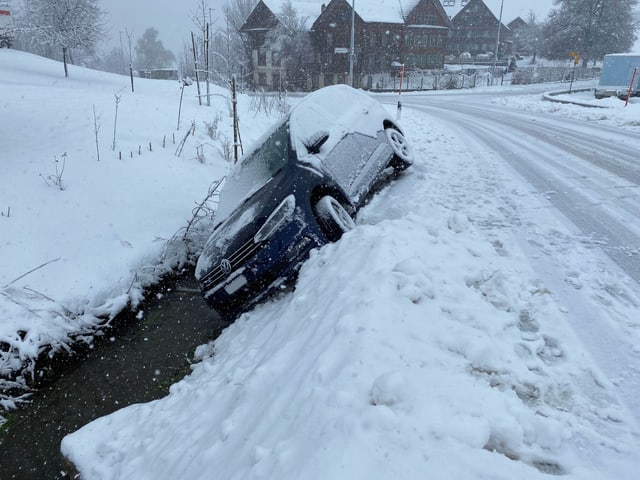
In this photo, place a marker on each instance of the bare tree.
(64, 24)
(235, 47)
(237, 11)
(291, 43)
(528, 38)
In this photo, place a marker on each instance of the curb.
(549, 96)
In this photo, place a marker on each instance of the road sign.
(576, 57)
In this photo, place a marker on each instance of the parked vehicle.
(617, 74)
(298, 190)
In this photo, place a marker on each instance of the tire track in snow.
(522, 149)
(532, 163)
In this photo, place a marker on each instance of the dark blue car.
(299, 189)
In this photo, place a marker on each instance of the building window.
(262, 58)
(262, 79)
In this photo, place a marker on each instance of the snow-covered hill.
(81, 236)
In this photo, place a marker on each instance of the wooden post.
(206, 62)
(131, 75)
(633, 79)
(195, 62)
(234, 102)
(399, 109)
(180, 106)
(64, 59)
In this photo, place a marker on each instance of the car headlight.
(278, 217)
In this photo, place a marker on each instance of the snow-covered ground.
(80, 237)
(423, 343)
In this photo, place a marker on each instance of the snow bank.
(420, 344)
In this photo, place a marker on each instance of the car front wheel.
(333, 218)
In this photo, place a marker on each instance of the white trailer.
(619, 70)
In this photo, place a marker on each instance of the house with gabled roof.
(426, 32)
(268, 69)
(388, 34)
(475, 29)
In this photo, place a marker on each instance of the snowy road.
(590, 174)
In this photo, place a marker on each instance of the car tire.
(402, 154)
(333, 218)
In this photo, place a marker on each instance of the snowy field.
(422, 344)
(80, 237)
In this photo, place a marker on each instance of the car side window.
(274, 153)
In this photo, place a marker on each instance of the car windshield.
(255, 171)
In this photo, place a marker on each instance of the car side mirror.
(315, 141)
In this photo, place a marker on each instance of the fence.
(472, 78)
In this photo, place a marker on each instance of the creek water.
(135, 362)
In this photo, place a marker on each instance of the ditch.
(135, 362)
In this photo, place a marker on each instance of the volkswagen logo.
(225, 266)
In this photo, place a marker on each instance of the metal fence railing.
(472, 78)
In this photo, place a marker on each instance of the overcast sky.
(174, 19)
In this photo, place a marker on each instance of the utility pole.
(352, 52)
(495, 57)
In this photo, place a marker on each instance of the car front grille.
(236, 259)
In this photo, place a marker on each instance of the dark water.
(134, 363)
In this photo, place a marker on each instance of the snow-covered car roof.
(337, 110)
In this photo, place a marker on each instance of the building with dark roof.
(388, 35)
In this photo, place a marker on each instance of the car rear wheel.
(333, 218)
(401, 149)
